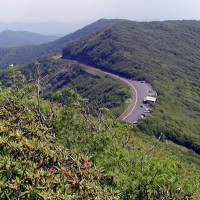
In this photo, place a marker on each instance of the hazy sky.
(76, 10)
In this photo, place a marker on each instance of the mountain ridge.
(10, 38)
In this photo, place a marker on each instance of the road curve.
(139, 89)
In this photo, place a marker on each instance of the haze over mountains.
(22, 55)
(45, 28)
(11, 38)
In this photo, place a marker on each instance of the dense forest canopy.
(165, 54)
(99, 89)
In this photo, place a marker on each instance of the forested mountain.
(11, 38)
(166, 54)
(22, 55)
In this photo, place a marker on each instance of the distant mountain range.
(25, 54)
(11, 38)
(45, 28)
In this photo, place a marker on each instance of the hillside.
(166, 54)
(25, 54)
(58, 74)
(11, 38)
(55, 151)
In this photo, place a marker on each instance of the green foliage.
(100, 157)
(32, 165)
(166, 54)
(113, 145)
(16, 78)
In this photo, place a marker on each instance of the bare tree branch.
(41, 116)
(149, 151)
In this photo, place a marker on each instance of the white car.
(143, 115)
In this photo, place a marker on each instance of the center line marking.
(135, 99)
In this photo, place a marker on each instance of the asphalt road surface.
(136, 110)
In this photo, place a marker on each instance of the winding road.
(140, 89)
